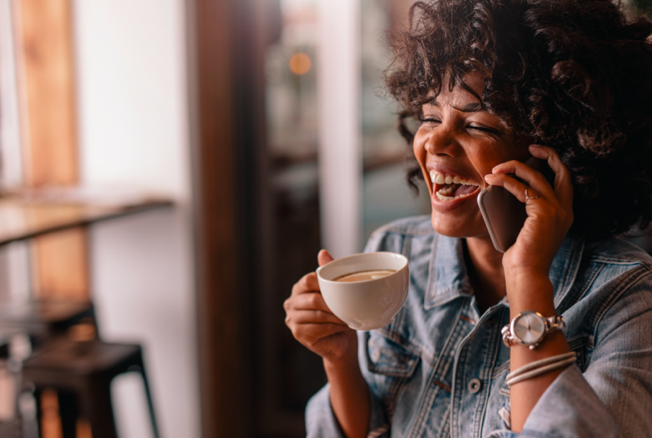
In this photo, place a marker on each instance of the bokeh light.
(300, 63)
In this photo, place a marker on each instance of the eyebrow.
(472, 107)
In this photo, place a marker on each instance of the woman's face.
(457, 144)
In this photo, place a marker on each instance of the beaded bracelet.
(539, 367)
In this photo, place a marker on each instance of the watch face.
(529, 328)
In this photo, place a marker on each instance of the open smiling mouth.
(451, 187)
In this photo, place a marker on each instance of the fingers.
(310, 335)
(306, 301)
(512, 185)
(310, 320)
(312, 317)
(563, 182)
(545, 205)
(307, 283)
(532, 195)
(532, 177)
(562, 191)
(318, 331)
(324, 257)
(306, 305)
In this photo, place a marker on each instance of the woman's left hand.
(549, 212)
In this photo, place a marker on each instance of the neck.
(485, 266)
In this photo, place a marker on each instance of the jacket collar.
(564, 269)
(448, 276)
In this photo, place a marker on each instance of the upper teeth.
(440, 178)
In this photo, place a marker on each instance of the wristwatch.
(529, 328)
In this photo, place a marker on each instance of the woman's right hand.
(313, 324)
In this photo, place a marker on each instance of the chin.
(458, 227)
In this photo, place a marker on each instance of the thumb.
(324, 257)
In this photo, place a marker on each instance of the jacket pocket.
(389, 358)
(390, 365)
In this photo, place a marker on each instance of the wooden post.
(60, 261)
(49, 125)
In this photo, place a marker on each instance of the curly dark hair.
(575, 75)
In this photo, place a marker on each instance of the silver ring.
(528, 197)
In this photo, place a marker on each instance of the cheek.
(484, 166)
(421, 155)
(484, 158)
(419, 150)
(490, 154)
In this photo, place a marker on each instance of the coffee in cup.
(365, 275)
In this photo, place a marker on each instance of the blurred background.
(176, 165)
(168, 170)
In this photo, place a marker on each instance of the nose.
(442, 141)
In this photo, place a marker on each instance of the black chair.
(42, 317)
(85, 370)
(11, 365)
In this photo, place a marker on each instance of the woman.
(493, 82)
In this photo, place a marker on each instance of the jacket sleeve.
(322, 423)
(614, 395)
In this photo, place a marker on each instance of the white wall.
(340, 152)
(131, 66)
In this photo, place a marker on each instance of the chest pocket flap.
(387, 357)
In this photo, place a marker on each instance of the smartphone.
(503, 213)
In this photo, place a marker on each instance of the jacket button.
(474, 386)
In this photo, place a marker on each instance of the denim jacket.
(438, 370)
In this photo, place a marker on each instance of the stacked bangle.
(539, 367)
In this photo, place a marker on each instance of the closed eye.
(485, 129)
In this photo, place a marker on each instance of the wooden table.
(29, 214)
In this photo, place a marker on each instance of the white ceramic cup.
(369, 304)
